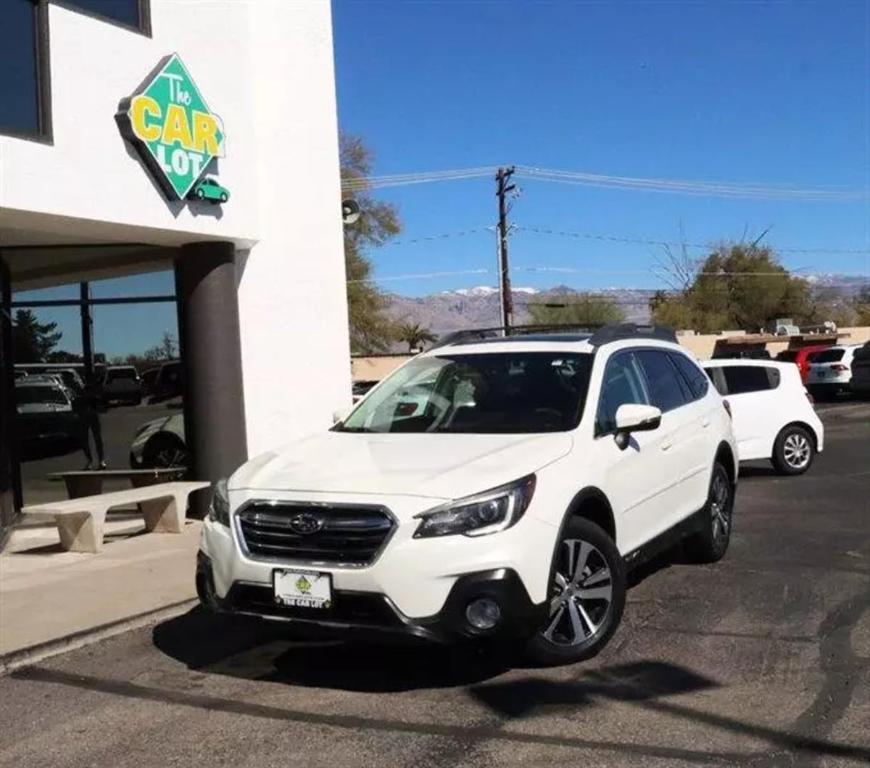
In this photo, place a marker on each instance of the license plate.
(303, 589)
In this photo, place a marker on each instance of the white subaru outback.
(498, 486)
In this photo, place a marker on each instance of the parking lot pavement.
(762, 659)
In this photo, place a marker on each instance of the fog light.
(483, 613)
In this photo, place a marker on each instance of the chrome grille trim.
(352, 536)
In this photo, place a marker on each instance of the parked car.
(360, 389)
(831, 371)
(512, 504)
(160, 443)
(121, 383)
(44, 412)
(168, 384)
(801, 357)
(860, 383)
(773, 415)
(149, 380)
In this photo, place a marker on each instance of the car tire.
(224, 197)
(164, 451)
(794, 450)
(200, 195)
(710, 543)
(586, 597)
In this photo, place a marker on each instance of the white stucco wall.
(266, 67)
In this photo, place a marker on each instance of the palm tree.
(415, 335)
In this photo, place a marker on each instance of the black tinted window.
(666, 387)
(740, 379)
(694, 376)
(18, 68)
(122, 11)
(829, 356)
(623, 383)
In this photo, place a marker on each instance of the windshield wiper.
(354, 429)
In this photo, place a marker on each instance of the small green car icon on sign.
(209, 189)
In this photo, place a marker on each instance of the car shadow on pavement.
(244, 647)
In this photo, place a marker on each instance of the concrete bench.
(80, 521)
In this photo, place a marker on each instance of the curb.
(35, 653)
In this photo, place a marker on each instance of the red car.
(801, 358)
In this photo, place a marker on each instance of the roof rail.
(471, 334)
(625, 331)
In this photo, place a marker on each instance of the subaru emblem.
(305, 523)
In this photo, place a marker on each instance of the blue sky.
(738, 91)
(775, 92)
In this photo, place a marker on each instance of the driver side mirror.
(341, 414)
(633, 417)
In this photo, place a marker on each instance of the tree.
(415, 335)
(370, 328)
(738, 286)
(862, 306)
(33, 341)
(576, 309)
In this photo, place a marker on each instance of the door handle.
(705, 422)
(666, 445)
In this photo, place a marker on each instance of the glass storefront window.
(19, 69)
(126, 12)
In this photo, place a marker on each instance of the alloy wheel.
(583, 587)
(720, 507)
(796, 450)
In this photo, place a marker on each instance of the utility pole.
(504, 284)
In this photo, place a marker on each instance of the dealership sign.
(172, 129)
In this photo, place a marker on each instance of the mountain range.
(478, 307)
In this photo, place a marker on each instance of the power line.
(732, 189)
(671, 243)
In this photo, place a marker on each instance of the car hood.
(442, 466)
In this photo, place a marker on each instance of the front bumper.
(372, 611)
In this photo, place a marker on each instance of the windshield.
(33, 395)
(478, 393)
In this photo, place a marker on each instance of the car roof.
(730, 362)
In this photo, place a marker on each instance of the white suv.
(773, 416)
(510, 501)
(830, 371)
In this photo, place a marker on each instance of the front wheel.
(586, 597)
(793, 451)
(711, 542)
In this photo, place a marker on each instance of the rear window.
(120, 373)
(34, 395)
(742, 379)
(828, 356)
(787, 356)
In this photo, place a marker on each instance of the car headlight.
(480, 514)
(219, 509)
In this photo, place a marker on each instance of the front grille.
(349, 535)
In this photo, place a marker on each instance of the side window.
(623, 383)
(741, 379)
(694, 376)
(667, 389)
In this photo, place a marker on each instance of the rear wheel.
(711, 542)
(794, 450)
(586, 597)
(163, 452)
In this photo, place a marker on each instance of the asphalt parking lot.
(762, 659)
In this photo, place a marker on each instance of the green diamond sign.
(173, 130)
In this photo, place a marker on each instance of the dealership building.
(145, 135)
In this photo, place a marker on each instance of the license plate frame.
(302, 588)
